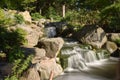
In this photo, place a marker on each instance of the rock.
(92, 35)
(40, 53)
(42, 21)
(114, 36)
(30, 74)
(37, 52)
(26, 16)
(51, 45)
(46, 66)
(111, 46)
(33, 33)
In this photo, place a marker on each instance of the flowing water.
(86, 64)
(50, 32)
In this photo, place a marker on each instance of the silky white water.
(87, 64)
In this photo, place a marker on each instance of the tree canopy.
(107, 10)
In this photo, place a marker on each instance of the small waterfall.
(102, 54)
(50, 32)
(76, 62)
(77, 57)
(90, 56)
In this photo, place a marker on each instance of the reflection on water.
(100, 70)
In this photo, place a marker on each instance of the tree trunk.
(63, 10)
(40, 11)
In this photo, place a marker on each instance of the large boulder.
(33, 33)
(51, 45)
(26, 16)
(111, 46)
(92, 35)
(38, 53)
(113, 36)
(30, 74)
(46, 66)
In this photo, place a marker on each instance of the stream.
(101, 70)
(86, 64)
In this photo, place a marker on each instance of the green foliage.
(80, 18)
(102, 54)
(36, 16)
(15, 54)
(11, 39)
(111, 16)
(94, 4)
(28, 4)
(20, 65)
(18, 4)
(51, 12)
(2, 15)
(63, 60)
(19, 18)
(86, 46)
(5, 18)
(11, 78)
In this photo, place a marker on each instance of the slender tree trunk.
(63, 10)
(40, 11)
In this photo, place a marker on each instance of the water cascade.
(83, 63)
(77, 57)
(50, 32)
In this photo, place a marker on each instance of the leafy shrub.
(11, 78)
(36, 16)
(110, 16)
(19, 18)
(20, 65)
(11, 39)
(2, 15)
(15, 54)
(5, 19)
(80, 18)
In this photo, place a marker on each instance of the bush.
(80, 18)
(15, 54)
(20, 65)
(11, 39)
(5, 19)
(36, 16)
(110, 16)
(19, 19)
